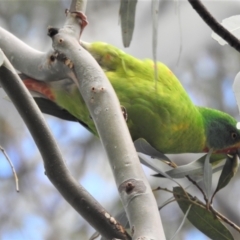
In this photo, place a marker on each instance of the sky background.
(205, 69)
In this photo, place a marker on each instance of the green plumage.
(161, 113)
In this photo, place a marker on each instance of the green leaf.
(200, 217)
(127, 16)
(193, 169)
(207, 175)
(149, 163)
(159, 166)
(155, 13)
(182, 223)
(143, 146)
(177, 11)
(229, 170)
(1, 57)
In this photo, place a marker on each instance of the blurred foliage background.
(205, 68)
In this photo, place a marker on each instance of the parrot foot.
(83, 21)
(82, 17)
(124, 112)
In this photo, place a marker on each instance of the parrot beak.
(232, 150)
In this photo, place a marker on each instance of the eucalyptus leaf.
(200, 217)
(182, 223)
(207, 175)
(147, 162)
(181, 172)
(1, 57)
(177, 11)
(127, 18)
(229, 170)
(143, 146)
(195, 168)
(155, 15)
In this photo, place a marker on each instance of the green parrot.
(162, 114)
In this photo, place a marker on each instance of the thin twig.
(12, 167)
(224, 219)
(214, 24)
(210, 207)
(164, 189)
(165, 204)
(199, 188)
(94, 236)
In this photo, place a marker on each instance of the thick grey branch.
(55, 168)
(105, 110)
(78, 6)
(35, 64)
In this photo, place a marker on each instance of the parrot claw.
(83, 20)
(124, 112)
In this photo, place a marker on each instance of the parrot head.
(222, 133)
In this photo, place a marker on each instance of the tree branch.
(27, 60)
(214, 25)
(104, 107)
(54, 165)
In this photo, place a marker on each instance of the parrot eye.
(234, 135)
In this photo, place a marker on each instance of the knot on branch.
(132, 186)
(52, 31)
(113, 221)
(61, 57)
